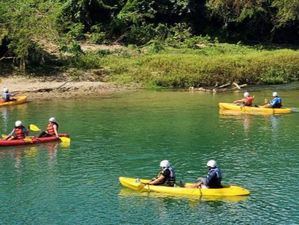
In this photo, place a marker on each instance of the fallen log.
(236, 85)
(224, 85)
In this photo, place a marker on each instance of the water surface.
(128, 135)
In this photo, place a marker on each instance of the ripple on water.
(128, 135)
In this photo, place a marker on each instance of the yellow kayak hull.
(19, 100)
(252, 110)
(126, 192)
(229, 190)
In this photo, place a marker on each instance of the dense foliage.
(30, 28)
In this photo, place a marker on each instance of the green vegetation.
(169, 43)
(220, 64)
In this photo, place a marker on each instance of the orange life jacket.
(50, 128)
(19, 132)
(248, 101)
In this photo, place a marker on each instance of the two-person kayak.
(140, 185)
(18, 100)
(31, 140)
(252, 110)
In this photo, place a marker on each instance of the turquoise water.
(128, 135)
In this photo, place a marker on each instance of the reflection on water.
(274, 121)
(20, 153)
(246, 120)
(7, 121)
(4, 116)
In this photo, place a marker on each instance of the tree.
(29, 23)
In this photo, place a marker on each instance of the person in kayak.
(52, 129)
(246, 101)
(19, 132)
(213, 179)
(276, 102)
(166, 175)
(7, 96)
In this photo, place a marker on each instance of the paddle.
(33, 127)
(65, 140)
(141, 184)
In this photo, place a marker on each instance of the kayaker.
(19, 132)
(52, 129)
(212, 180)
(246, 101)
(166, 175)
(6, 96)
(276, 102)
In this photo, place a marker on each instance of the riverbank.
(101, 70)
(43, 88)
(200, 65)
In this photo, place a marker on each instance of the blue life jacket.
(6, 96)
(276, 102)
(214, 177)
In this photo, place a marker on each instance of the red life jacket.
(50, 128)
(248, 101)
(19, 132)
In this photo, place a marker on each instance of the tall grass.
(218, 63)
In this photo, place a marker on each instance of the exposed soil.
(42, 88)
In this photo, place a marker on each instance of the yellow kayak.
(126, 192)
(19, 100)
(140, 185)
(252, 110)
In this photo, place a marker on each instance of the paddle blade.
(64, 145)
(33, 127)
(28, 139)
(65, 140)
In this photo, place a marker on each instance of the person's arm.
(55, 130)
(157, 180)
(10, 134)
(240, 100)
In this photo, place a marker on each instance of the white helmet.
(52, 119)
(18, 123)
(274, 94)
(211, 163)
(5, 90)
(164, 164)
(246, 94)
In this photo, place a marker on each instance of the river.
(128, 134)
